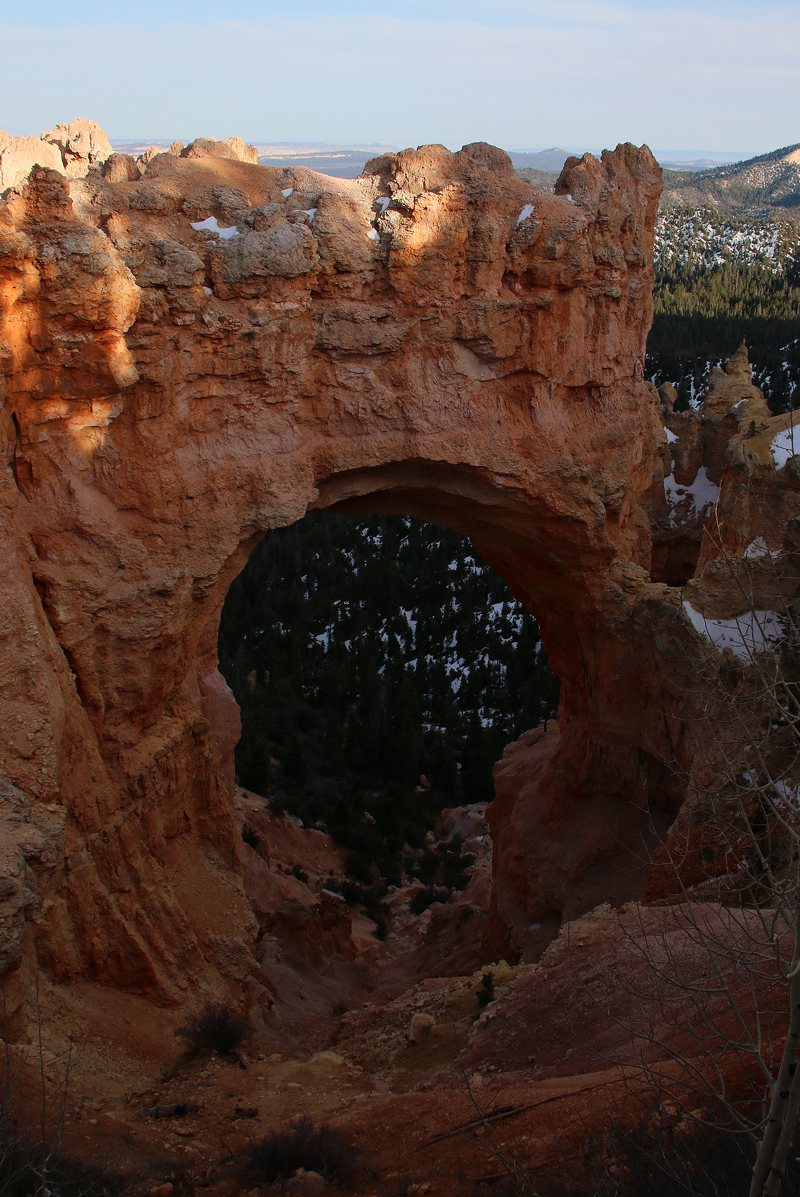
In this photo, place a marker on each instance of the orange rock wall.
(438, 338)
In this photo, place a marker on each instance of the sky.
(693, 75)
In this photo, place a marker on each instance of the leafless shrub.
(321, 1149)
(216, 1030)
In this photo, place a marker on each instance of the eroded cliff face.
(195, 356)
(724, 509)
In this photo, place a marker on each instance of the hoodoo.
(191, 357)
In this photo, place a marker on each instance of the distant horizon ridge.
(729, 155)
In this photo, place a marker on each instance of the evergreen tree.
(367, 655)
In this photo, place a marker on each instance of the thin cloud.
(586, 74)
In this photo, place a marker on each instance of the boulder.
(19, 154)
(420, 1027)
(121, 168)
(82, 144)
(668, 395)
(207, 147)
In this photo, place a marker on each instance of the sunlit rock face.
(211, 350)
(72, 149)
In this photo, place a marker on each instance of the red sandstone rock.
(70, 149)
(609, 988)
(437, 338)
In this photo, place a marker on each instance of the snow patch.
(789, 792)
(213, 227)
(671, 436)
(287, 192)
(310, 212)
(702, 492)
(384, 201)
(784, 446)
(412, 623)
(524, 214)
(745, 635)
(758, 548)
(374, 235)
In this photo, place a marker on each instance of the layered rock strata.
(194, 356)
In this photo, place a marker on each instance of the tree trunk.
(768, 1168)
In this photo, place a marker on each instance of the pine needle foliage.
(366, 654)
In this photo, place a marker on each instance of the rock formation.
(72, 149)
(723, 509)
(194, 356)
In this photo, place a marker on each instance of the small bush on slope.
(314, 1148)
(216, 1030)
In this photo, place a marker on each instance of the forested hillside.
(721, 280)
(380, 668)
(768, 183)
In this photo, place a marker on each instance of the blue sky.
(582, 74)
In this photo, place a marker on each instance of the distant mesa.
(74, 148)
(550, 160)
(337, 161)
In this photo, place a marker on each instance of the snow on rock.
(384, 201)
(524, 214)
(758, 548)
(702, 493)
(671, 436)
(789, 793)
(784, 446)
(213, 227)
(287, 192)
(745, 635)
(374, 235)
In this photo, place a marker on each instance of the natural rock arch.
(437, 338)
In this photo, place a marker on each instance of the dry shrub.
(319, 1149)
(651, 1160)
(217, 1030)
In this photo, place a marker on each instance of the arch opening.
(381, 668)
(521, 920)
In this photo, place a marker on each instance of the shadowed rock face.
(438, 338)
